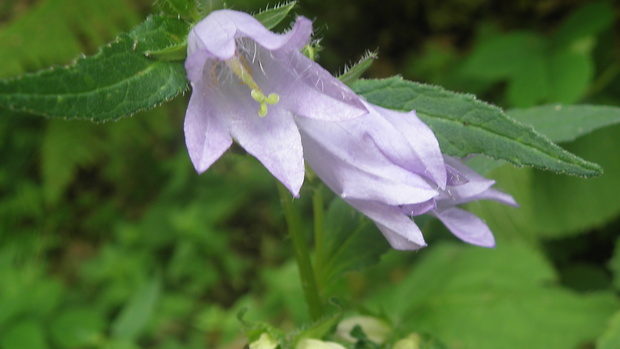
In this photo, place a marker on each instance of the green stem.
(319, 217)
(302, 253)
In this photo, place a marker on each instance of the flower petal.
(401, 232)
(418, 150)
(275, 142)
(314, 93)
(353, 167)
(206, 134)
(466, 226)
(217, 33)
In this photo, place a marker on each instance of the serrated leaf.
(118, 81)
(460, 293)
(272, 17)
(464, 125)
(351, 243)
(565, 123)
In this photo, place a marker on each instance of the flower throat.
(240, 68)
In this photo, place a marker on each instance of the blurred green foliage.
(109, 239)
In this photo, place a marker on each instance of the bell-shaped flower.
(248, 83)
(388, 166)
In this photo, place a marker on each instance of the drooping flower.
(247, 83)
(256, 87)
(388, 166)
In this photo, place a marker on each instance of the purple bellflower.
(387, 165)
(256, 87)
(248, 83)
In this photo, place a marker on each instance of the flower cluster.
(256, 87)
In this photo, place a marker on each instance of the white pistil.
(239, 67)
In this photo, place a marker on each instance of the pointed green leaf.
(351, 242)
(465, 125)
(118, 81)
(272, 17)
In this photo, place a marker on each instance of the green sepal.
(272, 17)
(354, 73)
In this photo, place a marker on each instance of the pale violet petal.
(217, 33)
(466, 226)
(206, 135)
(425, 156)
(314, 93)
(401, 232)
(275, 142)
(354, 168)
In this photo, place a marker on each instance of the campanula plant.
(395, 153)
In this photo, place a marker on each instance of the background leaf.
(137, 312)
(116, 82)
(56, 30)
(501, 298)
(464, 125)
(565, 123)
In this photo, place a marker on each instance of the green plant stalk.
(302, 254)
(319, 227)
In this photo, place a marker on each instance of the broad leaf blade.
(464, 125)
(118, 81)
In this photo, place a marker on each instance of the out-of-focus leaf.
(78, 327)
(464, 125)
(570, 74)
(24, 334)
(495, 57)
(611, 337)
(66, 146)
(461, 293)
(614, 265)
(587, 21)
(565, 123)
(133, 318)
